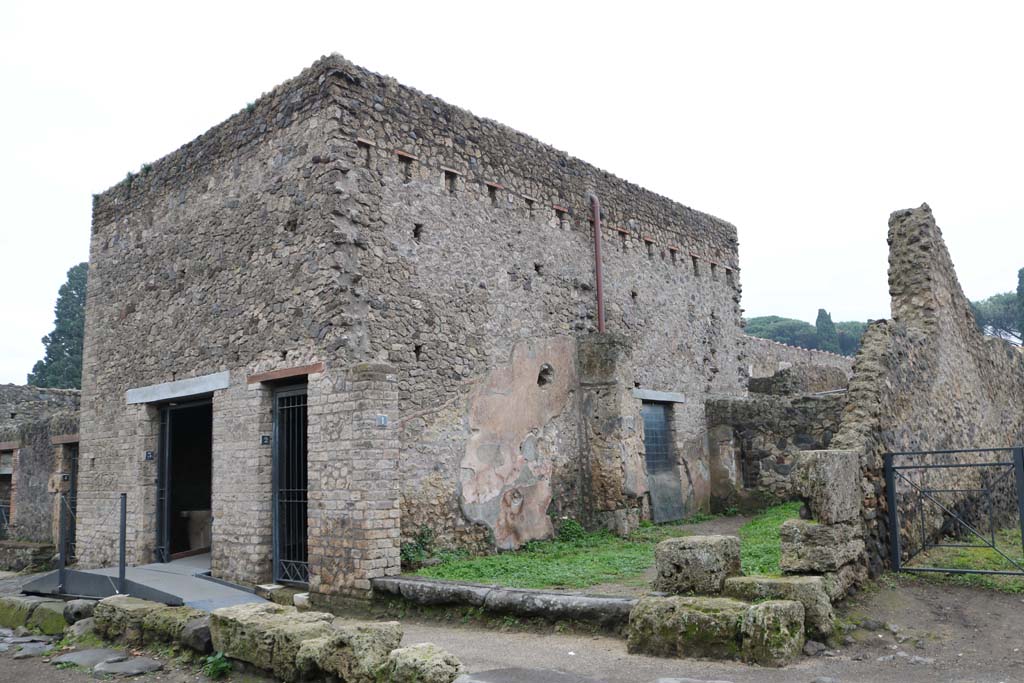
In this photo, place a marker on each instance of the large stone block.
(121, 617)
(686, 627)
(15, 610)
(773, 632)
(168, 623)
(297, 645)
(830, 481)
(812, 548)
(422, 663)
(48, 618)
(809, 591)
(696, 564)
(838, 583)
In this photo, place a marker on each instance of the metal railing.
(5, 517)
(999, 472)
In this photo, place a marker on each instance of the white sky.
(805, 124)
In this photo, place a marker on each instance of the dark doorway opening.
(185, 481)
(70, 539)
(290, 483)
(662, 468)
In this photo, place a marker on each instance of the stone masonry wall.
(766, 357)
(344, 219)
(24, 403)
(482, 241)
(927, 379)
(756, 443)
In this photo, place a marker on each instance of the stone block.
(48, 618)
(15, 610)
(773, 632)
(196, 635)
(696, 564)
(812, 548)
(422, 663)
(353, 651)
(76, 610)
(838, 583)
(82, 628)
(686, 627)
(120, 617)
(830, 481)
(809, 591)
(167, 624)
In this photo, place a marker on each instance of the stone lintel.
(285, 373)
(661, 396)
(193, 386)
(63, 439)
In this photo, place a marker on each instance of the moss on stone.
(48, 618)
(686, 627)
(15, 610)
(422, 663)
(773, 632)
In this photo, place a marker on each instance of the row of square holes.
(451, 178)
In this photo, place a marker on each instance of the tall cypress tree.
(1020, 300)
(828, 338)
(61, 366)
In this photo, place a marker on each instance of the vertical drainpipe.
(595, 211)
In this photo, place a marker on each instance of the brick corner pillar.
(354, 512)
(613, 432)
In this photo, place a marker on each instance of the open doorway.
(185, 481)
(663, 478)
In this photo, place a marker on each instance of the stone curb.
(605, 611)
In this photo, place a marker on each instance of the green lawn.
(601, 557)
(1007, 540)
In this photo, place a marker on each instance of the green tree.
(828, 338)
(850, 333)
(61, 366)
(1020, 300)
(999, 316)
(783, 330)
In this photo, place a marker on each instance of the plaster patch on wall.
(505, 475)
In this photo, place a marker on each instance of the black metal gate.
(290, 479)
(662, 469)
(980, 493)
(70, 537)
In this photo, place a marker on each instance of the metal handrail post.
(121, 583)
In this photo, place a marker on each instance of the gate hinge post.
(894, 515)
(1018, 472)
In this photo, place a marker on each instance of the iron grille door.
(163, 477)
(72, 502)
(291, 553)
(662, 469)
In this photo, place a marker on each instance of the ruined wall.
(483, 242)
(926, 379)
(800, 379)
(20, 404)
(756, 443)
(766, 357)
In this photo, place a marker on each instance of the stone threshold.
(607, 612)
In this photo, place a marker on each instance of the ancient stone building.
(353, 310)
(38, 457)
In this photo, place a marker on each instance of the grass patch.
(760, 547)
(979, 557)
(580, 559)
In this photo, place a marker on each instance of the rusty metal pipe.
(595, 211)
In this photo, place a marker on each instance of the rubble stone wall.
(755, 444)
(345, 219)
(20, 404)
(927, 379)
(766, 357)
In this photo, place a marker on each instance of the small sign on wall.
(265, 439)
(150, 455)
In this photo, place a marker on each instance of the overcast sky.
(804, 124)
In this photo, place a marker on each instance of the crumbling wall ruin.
(766, 357)
(927, 379)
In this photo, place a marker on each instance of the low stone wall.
(16, 556)
(766, 357)
(801, 379)
(756, 444)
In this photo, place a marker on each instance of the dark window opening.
(417, 231)
(729, 277)
(450, 178)
(650, 249)
(633, 295)
(545, 376)
(625, 239)
(560, 216)
(406, 163)
(675, 256)
(492, 193)
(696, 267)
(418, 352)
(538, 268)
(530, 207)
(364, 148)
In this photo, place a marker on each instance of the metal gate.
(290, 479)
(662, 469)
(985, 497)
(71, 501)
